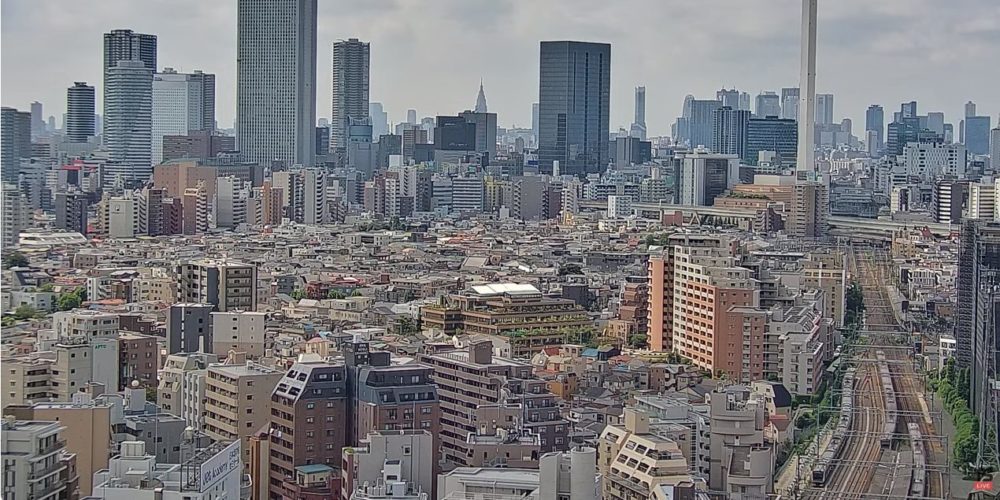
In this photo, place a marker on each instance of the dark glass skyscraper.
(574, 101)
(875, 120)
(80, 112)
(771, 134)
(701, 123)
(730, 131)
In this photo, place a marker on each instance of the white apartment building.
(931, 160)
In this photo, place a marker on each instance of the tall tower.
(128, 121)
(805, 164)
(127, 45)
(80, 112)
(574, 100)
(481, 99)
(639, 124)
(351, 60)
(276, 81)
(182, 103)
(15, 141)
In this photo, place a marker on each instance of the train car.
(918, 476)
(824, 463)
(891, 413)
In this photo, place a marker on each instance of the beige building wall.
(238, 402)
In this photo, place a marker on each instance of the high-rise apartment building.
(350, 88)
(182, 104)
(636, 462)
(128, 114)
(226, 284)
(309, 421)
(35, 461)
(127, 45)
(15, 144)
(574, 103)
(276, 81)
(71, 211)
(809, 213)
(181, 390)
(493, 410)
(730, 131)
(80, 109)
(238, 400)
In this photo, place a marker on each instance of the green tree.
(335, 294)
(805, 421)
(47, 287)
(15, 259)
(25, 312)
(68, 301)
(638, 341)
(298, 294)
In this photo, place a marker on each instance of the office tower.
(908, 109)
(15, 144)
(454, 133)
(360, 151)
(970, 109)
(771, 134)
(322, 142)
(350, 88)
(995, 148)
(79, 123)
(824, 109)
(485, 131)
(701, 123)
(481, 99)
(71, 211)
(189, 327)
(768, 104)
(703, 175)
(977, 135)
(631, 151)
(930, 160)
(126, 45)
(790, 103)
(128, 110)
(225, 284)
(573, 107)
(874, 121)
(276, 81)
(935, 122)
(805, 164)
(411, 116)
(730, 97)
(730, 131)
(639, 123)
(745, 101)
(182, 104)
(197, 145)
(308, 424)
(37, 120)
(380, 119)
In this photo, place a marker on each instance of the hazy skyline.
(431, 55)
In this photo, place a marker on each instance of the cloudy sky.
(430, 54)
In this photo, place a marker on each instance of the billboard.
(220, 465)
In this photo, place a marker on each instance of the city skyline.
(902, 44)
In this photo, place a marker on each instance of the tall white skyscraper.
(639, 123)
(182, 103)
(276, 81)
(350, 88)
(127, 45)
(128, 122)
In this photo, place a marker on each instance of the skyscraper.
(970, 109)
(534, 120)
(768, 104)
(771, 134)
(182, 103)
(15, 143)
(276, 81)
(639, 123)
(350, 88)
(728, 97)
(701, 122)
(80, 109)
(875, 121)
(790, 103)
(37, 120)
(127, 45)
(730, 131)
(976, 134)
(824, 109)
(380, 119)
(574, 104)
(481, 99)
(128, 110)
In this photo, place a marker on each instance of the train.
(891, 413)
(918, 477)
(824, 464)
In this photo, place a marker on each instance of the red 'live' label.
(982, 486)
